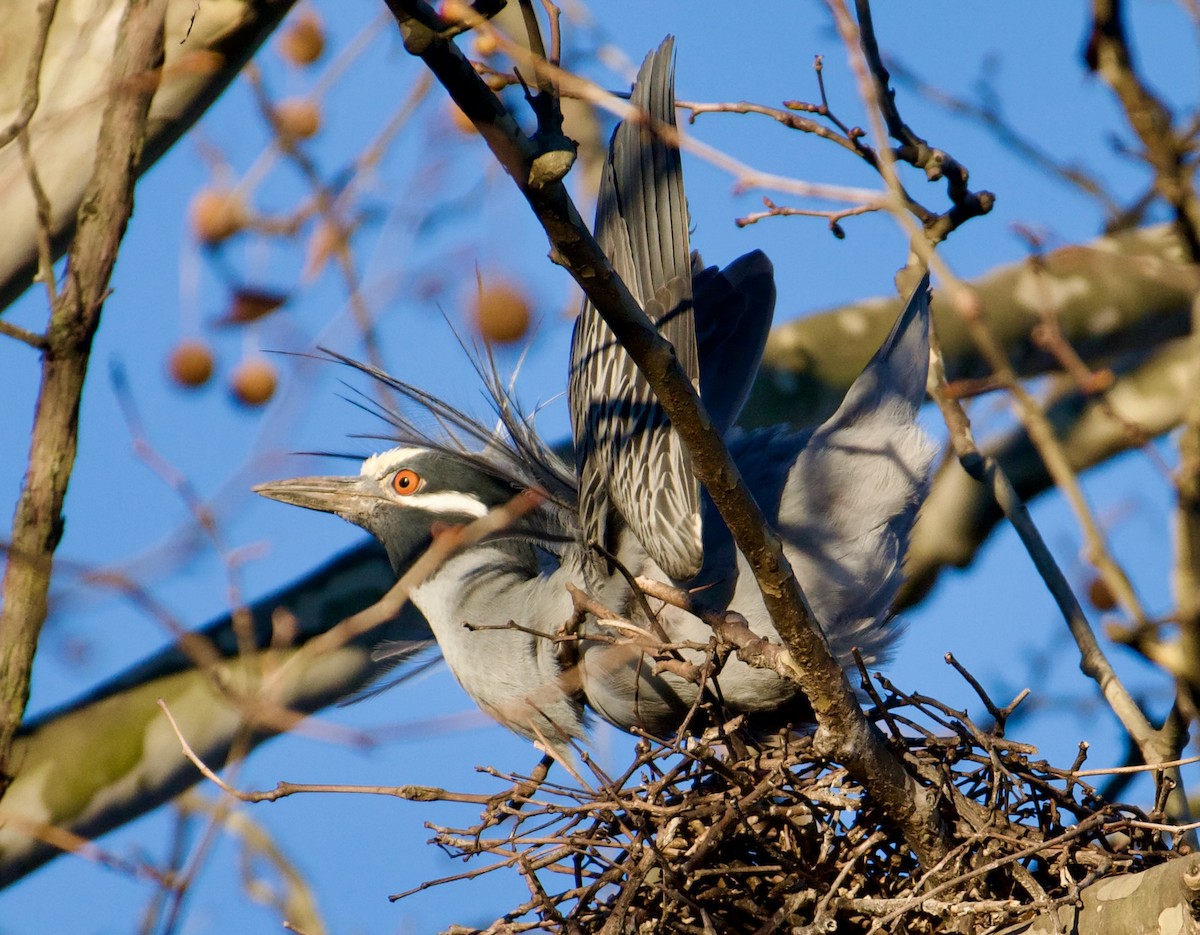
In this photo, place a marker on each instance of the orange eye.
(406, 483)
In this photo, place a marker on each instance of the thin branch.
(833, 217)
(284, 789)
(31, 88)
(32, 338)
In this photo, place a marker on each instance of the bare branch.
(105, 211)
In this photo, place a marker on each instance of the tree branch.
(103, 215)
(1114, 297)
(206, 46)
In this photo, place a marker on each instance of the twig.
(283, 789)
(31, 86)
(32, 338)
(785, 117)
(833, 217)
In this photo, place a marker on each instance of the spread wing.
(633, 468)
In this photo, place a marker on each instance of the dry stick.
(31, 88)
(1154, 745)
(1186, 577)
(283, 789)
(834, 217)
(844, 733)
(915, 902)
(103, 214)
(173, 901)
(786, 117)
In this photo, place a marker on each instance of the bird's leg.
(731, 629)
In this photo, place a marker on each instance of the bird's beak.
(340, 495)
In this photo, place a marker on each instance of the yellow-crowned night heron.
(843, 496)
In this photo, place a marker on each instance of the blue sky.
(439, 210)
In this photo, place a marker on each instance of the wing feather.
(633, 469)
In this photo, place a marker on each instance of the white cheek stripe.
(448, 502)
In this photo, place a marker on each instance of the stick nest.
(710, 835)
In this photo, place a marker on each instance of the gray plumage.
(620, 431)
(843, 496)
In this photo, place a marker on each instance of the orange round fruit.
(253, 382)
(304, 41)
(217, 214)
(1099, 595)
(191, 363)
(501, 313)
(485, 44)
(298, 118)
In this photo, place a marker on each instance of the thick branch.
(103, 214)
(206, 46)
(1112, 297)
(86, 745)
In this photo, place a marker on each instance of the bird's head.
(398, 496)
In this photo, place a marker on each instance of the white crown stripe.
(380, 464)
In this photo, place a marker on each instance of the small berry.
(253, 382)
(1100, 596)
(304, 41)
(191, 363)
(217, 214)
(456, 11)
(501, 313)
(486, 44)
(298, 118)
